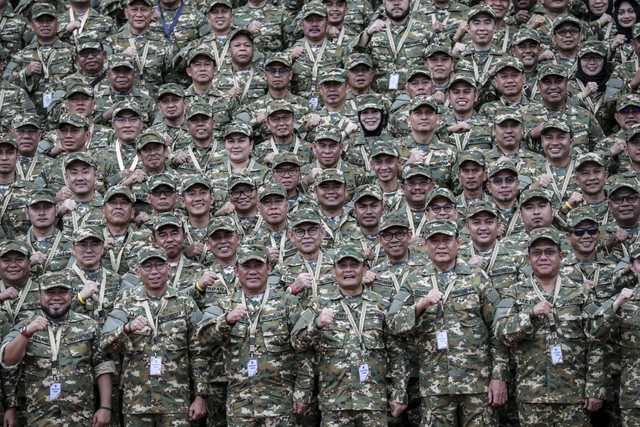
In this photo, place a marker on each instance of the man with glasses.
(154, 328)
(90, 60)
(624, 204)
(162, 196)
(281, 122)
(627, 114)
(566, 38)
(120, 158)
(441, 204)
(543, 318)
(285, 170)
(502, 186)
(27, 130)
(172, 104)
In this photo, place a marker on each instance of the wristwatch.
(23, 331)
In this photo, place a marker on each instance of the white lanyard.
(32, 164)
(83, 21)
(54, 342)
(247, 85)
(423, 221)
(397, 285)
(5, 204)
(115, 261)
(485, 69)
(145, 51)
(13, 314)
(253, 324)
(494, 255)
(553, 302)
(434, 282)
(121, 165)
(316, 61)
(103, 284)
(360, 327)
(396, 49)
(461, 145)
(153, 321)
(220, 56)
(567, 179)
(176, 278)
(315, 275)
(45, 67)
(296, 145)
(593, 107)
(283, 240)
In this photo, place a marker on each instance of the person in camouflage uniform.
(179, 22)
(15, 99)
(266, 22)
(368, 208)
(253, 326)
(27, 130)
(502, 186)
(154, 328)
(624, 204)
(82, 23)
(543, 318)
(18, 292)
(386, 164)
(14, 32)
(419, 82)
(472, 174)
(172, 105)
(197, 197)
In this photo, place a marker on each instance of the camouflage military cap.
(41, 195)
(279, 105)
(440, 192)
(280, 57)
(79, 88)
(592, 46)
(478, 206)
(212, 3)
(25, 119)
(535, 193)
(170, 88)
(478, 9)
(384, 147)
(348, 251)
(226, 223)
(7, 138)
(589, 158)
(272, 189)
(121, 60)
(416, 169)
(420, 70)
(86, 232)
(328, 131)
(330, 174)
(507, 113)
(89, 44)
(332, 75)
(156, 181)
(393, 219)
(524, 35)
(440, 226)
(121, 190)
(52, 284)
(566, 19)
(240, 179)
(201, 50)
(619, 182)
(150, 137)
(358, 58)
(305, 215)
(552, 69)
(555, 124)
(509, 62)
(14, 246)
(369, 102)
(42, 9)
(150, 252)
(247, 253)
(195, 180)
(632, 131)
(128, 2)
(314, 8)
(434, 48)
(126, 106)
(240, 32)
(421, 100)
(635, 32)
(80, 156)
(634, 251)
(198, 108)
(73, 119)
(579, 214)
(237, 127)
(167, 218)
(370, 190)
(285, 157)
(501, 166)
(544, 233)
(462, 77)
(474, 156)
(629, 100)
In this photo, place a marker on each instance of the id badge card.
(252, 368)
(556, 354)
(442, 339)
(155, 368)
(394, 80)
(314, 101)
(54, 391)
(363, 370)
(47, 97)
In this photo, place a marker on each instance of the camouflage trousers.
(157, 420)
(217, 405)
(630, 416)
(281, 421)
(410, 417)
(465, 410)
(354, 418)
(56, 417)
(552, 414)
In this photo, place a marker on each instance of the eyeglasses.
(537, 253)
(311, 231)
(388, 236)
(158, 193)
(148, 266)
(287, 171)
(572, 32)
(123, 120)
(83, 246)
(447, 208)
(85, 53)
(592, 58)
(629, 111)
(630, 198)
(275, 71)
(236, 194)
(421, 183)
(591, 231)
(508, 180)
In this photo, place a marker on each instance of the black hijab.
(601, 78)
(625, 31)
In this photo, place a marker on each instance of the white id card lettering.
(363, 370)
(252, 368)
(54, 391)
(556, 354)
(393, 81)
(314, 101)
(155, 368)
(442, 339)
(46, 99)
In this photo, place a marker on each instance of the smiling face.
(331, 194)
(45, 27)
(244, 198)
(567, 37)
(349, 273)
(591, 178)
(553, 88)
(327, 151)
(510, 81)
(55, 302)
(370, 119)
(626, 15)
(481, 29)
(223, 244)
(395, 242)
(508, 134)
(307, 237)
(139, 15)
(483, 229)
(201, 126)
(253, 275)
(462, 96)
(586, 244)
(386, 167)
(14, 268)
(81, 178)
(591, 64)
(625, 206)
(543, 265)
(238, 147)
(556, 144)
(197, 200)
(128, 126)
(528, 52)
(336, 11)
(220, 16)
(416, 188)
(154, 274)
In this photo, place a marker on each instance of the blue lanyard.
(169, 31)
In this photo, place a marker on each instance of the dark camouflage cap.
(237, 127)
(226, 223)
(241, 32)
(331, 174)
(524, 35)
(434, 48)
(369, 101)
(313, 8)
(79, 88)
(150, 137)
(122, 190)
(195, 180)
(629, 100)
(509, 62)
(127, 106)
(304, 215)
(121, 60)
(535, 193)
(636, 31)
(384, 147)
(592, 46)
(128, 2)
(198, 108)
(579, 214)
(240, 178)
(478, 206)
(170, 88)
(507, 113)
(348, 251)
(416, 169)
(80, 156)
(544, 233)
(149, 252)
(280, 57)
(619, 182)
(279, 105)
(7, 138)
(555, 124)
(420, 70)
(632, 131)
(42, 9)
(566, 19)
(167, 218)
(328, 131)
(285, 157)
(156, 181)
(440, 226)
(369, 190)
(421, 100)
(478, 9)
(474, 156)
(462, 77)
(42, 195)
(393, 219)
(358, 58)
(332, 75)
(54, 282)
(634, 251)
(212, 3)
(247, 253)
(73, 119)
(501, 166)
(202, 50)
(25, 119)
(14, 246)
(272, 189)
(551, 69)
(86, 232)
(89, 44)
(440, 192)
(587, 158)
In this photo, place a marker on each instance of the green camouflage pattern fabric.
(86, 213)
(14, 220)
(272, 36)
(126, 247)
(227, 78)
(337, 229)
(180, 137)
(97, 27)
(24, 164)
(478, 138)
(530, 165)
(187, 275)
(15, 32)
(221, 171)
(186, 30)
(106, 98)
(29, 307)
(263, 237)
(387, 271)
(440, 158)
(15, 101)
(505, 270)
(59, 258)
(301, 81)
(354, 176)
(222, 105)
(297, 146)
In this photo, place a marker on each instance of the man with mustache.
(285, 170)
(282, 123)
(172, 105)
(27, 130)
(90, 59)
(502, 185)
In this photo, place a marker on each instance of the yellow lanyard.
(494, 255)
(115, 261)
(247, 85)
(423, 221)
(83, 21)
